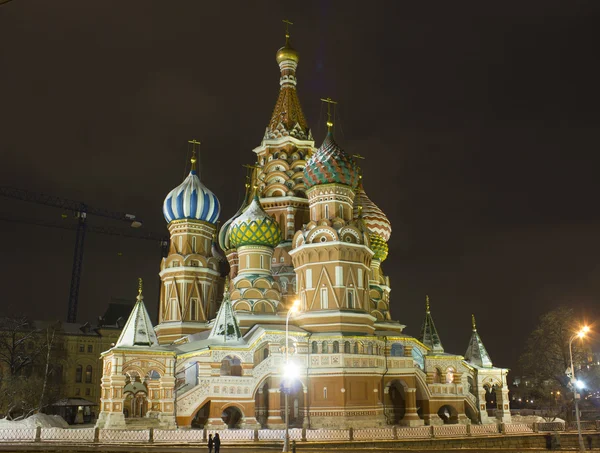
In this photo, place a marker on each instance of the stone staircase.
(142, 423)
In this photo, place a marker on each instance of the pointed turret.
(138, 330)
(226, 328)
(429, 335)
(287, 118)
(476, 353)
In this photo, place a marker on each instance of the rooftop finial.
(140, 287)
(194, 142)
(329, 102)
(473, 322)
(287, 29)
(427, 304)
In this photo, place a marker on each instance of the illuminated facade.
(306, 231)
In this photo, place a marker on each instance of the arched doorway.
(201, 416)
(135, 393)
(232, 417)
(448, 414)
(261, 404)
(396, 402)
(295, 392)
(231, 366)
(491, 400)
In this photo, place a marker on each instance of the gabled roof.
(138, 330)
(429, 335)
(476, 353)
(225, 328)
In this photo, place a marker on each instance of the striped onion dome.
(191, 200)
(379, 247)
(254, 227)
(374, 218)
(330, 164)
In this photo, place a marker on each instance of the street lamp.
(580, 334)
(290, 373)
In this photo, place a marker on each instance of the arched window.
(355, 348)
(397, 350)
(347, 347)
(314, 347)
(370, 349)
(326, 211)
(437, 376)
(449, 375)
(194, 244)
(231, 366)
(88, 374)
(324, 347)
(78, 373)
(336, 347)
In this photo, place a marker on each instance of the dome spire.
(193, 160)
(329, 102)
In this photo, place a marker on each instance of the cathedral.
(284, 311)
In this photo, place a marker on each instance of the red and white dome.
(374, 218)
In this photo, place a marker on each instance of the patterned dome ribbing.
(379, 247)
(254, 227)
(191, 200)
(330, 164)
(374, 218)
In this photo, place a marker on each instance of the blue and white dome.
(191, 200)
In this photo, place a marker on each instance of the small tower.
(429, 334)
(254, 235)
(331, 255)
(190, 274)
(380, 230)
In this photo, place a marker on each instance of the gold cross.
(329, 102)
(287, 27)
(140, 286)
(194, 142)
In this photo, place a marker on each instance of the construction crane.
(81, 210)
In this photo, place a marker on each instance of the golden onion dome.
(379, 247)
(287, 52)
(254, 227)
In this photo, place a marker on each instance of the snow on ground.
(43, 420)
(533, 419)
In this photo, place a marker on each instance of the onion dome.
(374, 218)
(379, 247)
(330, 164)
(254, 227)
(287, 52)
(191, 200)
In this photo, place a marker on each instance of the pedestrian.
(217, 443)
(210, 443)
(293, 446)
(589, 442)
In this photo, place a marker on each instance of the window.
(355, 348)
(397, 350)
(193, 244)
(231, 366)
(247, 261)
(309, 279)
(326, 211)
(350, 295)
(282, 259)
(324, 392)
(324, 347)
(274, 260)
(341, 211)
(88, 374)
(77, 391)
(265, 353)
(339, 275)
(370, 349)
(193, 309)
(78, 373)
(347, 347)
(174, 308)
(90, 348)
(314, 347)
(324, 299)
(359, 277)
(81, 348)
(87, 391)
(262, 262)
(336, 347)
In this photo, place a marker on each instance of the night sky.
(478, 122)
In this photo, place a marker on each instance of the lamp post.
(288, 374)
(579, 334)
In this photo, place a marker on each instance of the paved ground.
(230, 449)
